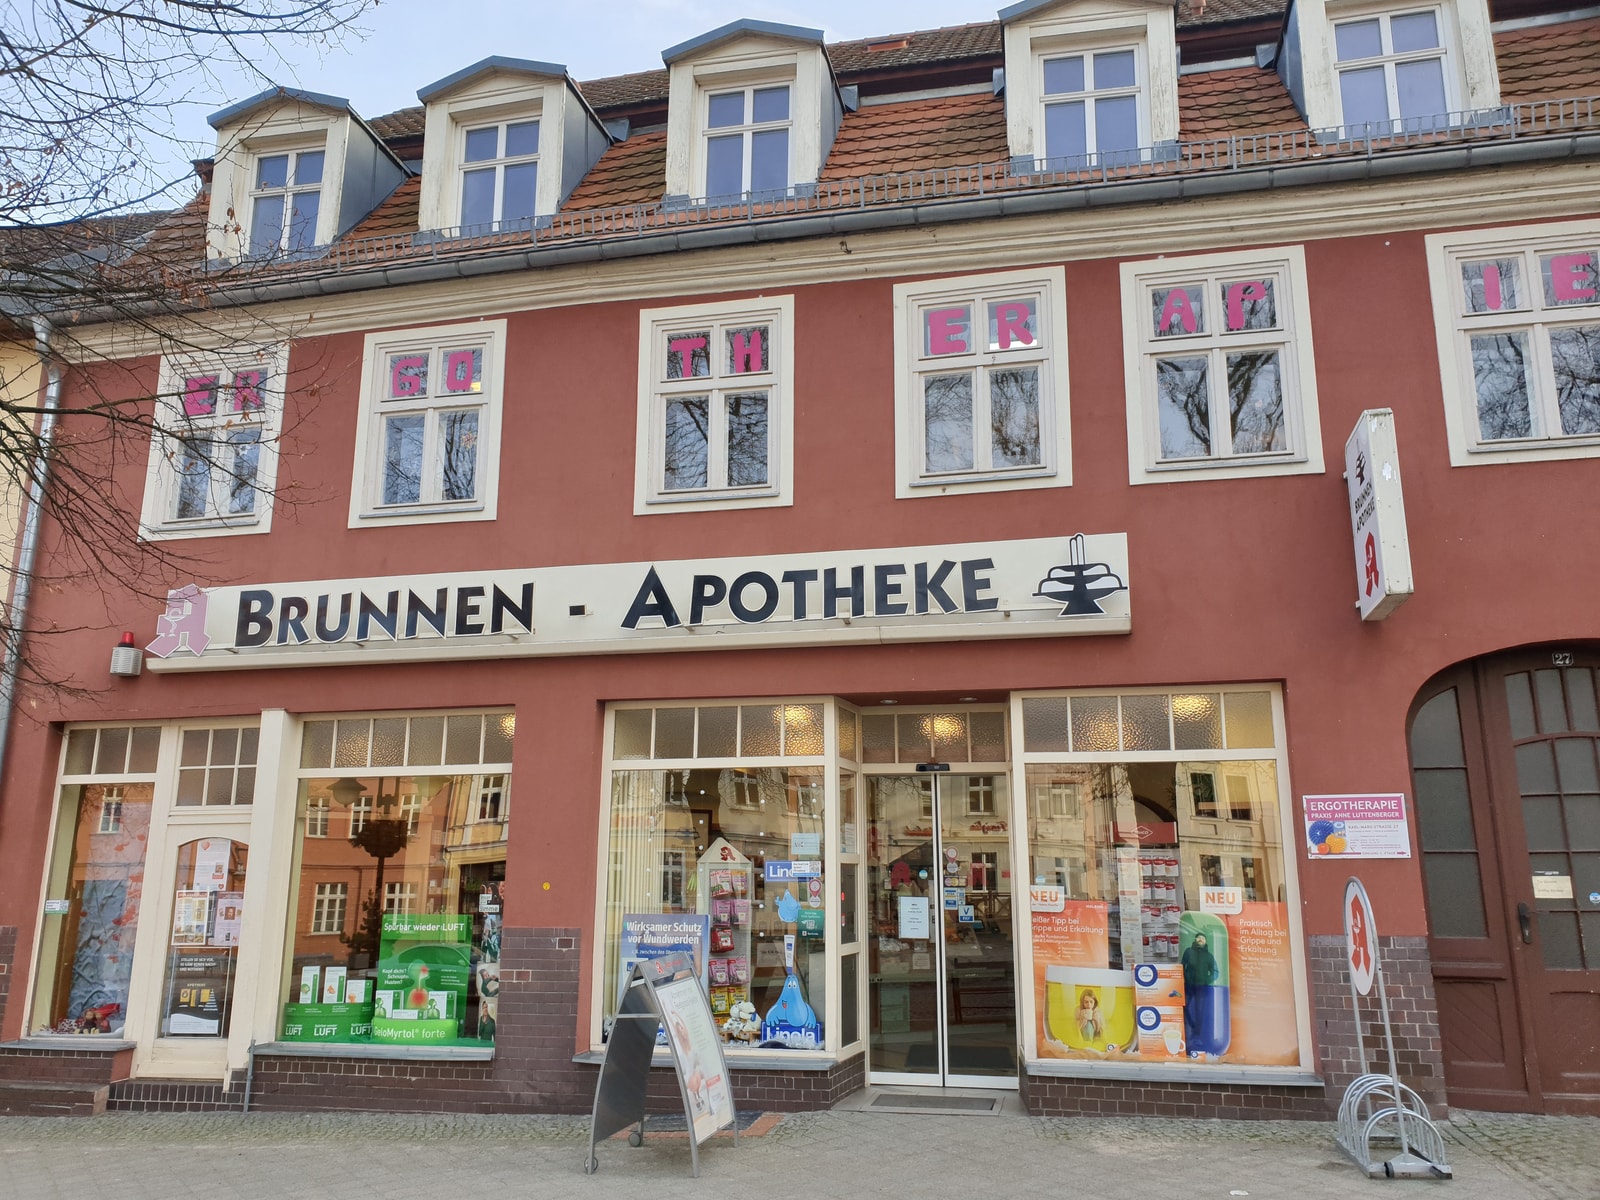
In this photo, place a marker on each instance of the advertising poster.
(1367, 826)
(191, 918)
(693, 1037)
(1158, 992)
(1261, 976)
(1085, 1009)
(230, 913)
(424, 961)
(197, 995)
(211, 864)
(656, 935)
(914, 924)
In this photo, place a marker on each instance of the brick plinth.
(175, 1095)
(1413, 1012)
(1050, 1096)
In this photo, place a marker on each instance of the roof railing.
(1233, 153)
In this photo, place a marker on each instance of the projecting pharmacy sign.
(1041, 587)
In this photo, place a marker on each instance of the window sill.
(370, 1050)
(422, 514)
(915, 487)
(58, 1042)
(200, 529)
(1532, 450)
(1174, 1073)
(713, 501)
(740, 1060)
(1225, 469)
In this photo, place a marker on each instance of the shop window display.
(96, 881)
(724, 859)
(1159, 900)
(396, 932)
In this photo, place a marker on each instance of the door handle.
(1525, 923)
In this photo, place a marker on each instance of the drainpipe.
(28, 546)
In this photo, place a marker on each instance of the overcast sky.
(406, 44)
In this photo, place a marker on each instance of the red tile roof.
(950, 44)
(1549, 60)
(1239, 100)
(407, 122)
(919, 134)
(617, 91)
(630, 172)
(397, 214)
(1217, 12)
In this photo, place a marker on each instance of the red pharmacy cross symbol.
(1372, 563)
(1360, 951)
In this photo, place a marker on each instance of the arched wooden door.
(1505, 757)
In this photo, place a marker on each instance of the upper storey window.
(1089, 82)
(1091, 105)
(280, 185)
(286, 201)
(499, 173)
(1519, 324)
(747, 141)
(505, 140)
(1391, 68)
(752, 111)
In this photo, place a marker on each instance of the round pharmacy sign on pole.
(1360, 936)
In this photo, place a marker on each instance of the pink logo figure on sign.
(183, 625)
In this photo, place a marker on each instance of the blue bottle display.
(1203, 950)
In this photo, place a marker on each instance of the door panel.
(903, 1005)
(980, 959)
(1518, 986)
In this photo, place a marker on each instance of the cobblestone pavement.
(137, 1156)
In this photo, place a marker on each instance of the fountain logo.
(1080, 585)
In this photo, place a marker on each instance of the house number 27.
(1561, 658)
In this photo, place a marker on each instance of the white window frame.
(173, 424)
(655, 390)
(1446, 253)
(484, 787)
(746, 131)
(1297, 371)
(1089, 97)
(360, 813)
(111, 810)
(317, 818)
(467, 125)
(1445, 52)
(366, 507)
(1047, 288)
(328, 900)
(400, 897)
(289, 191)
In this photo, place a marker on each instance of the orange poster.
(1261, 975)
(1084, 1010)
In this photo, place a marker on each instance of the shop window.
(1219, 367)
(981, 384)
(213, 449)
(724, 859)
(954, 736)
(217, 766)
(396, 933)
(95, 882)
(203, 946)
(715, 406)
(1518, 316)
(428, 432)
(1171, 892)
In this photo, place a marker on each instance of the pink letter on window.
(247, 391)
(747, 356)
(1238, 293)
(199, 395)
(1177, 305)
(945, 335)
(1567, 277)
(402, 384)
(686, 346)
(1012, 321)
(458, 371)
(1492, 297)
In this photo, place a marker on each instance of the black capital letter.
(652, 601)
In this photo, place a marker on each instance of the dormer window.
(499, 173)
(285, 202)
(1091, 105)
(747, 141)
(1391, 69)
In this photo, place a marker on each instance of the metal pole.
(28, 546)
(1394, 1067)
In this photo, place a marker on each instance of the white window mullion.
(717, 437)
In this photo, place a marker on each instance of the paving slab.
(849, 1152)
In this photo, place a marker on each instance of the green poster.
(424, 964)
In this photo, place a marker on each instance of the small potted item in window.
(721, 939)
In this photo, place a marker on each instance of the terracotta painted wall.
(1231, 580)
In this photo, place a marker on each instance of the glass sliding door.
(942, 964)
